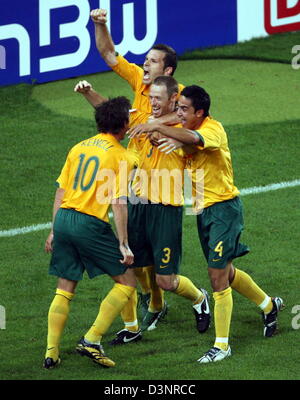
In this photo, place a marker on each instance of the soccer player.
(155, 221)
(220, 223)
(160, 60)
(82, 239)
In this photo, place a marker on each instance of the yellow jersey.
(134, 74)
(211, 166)
(159, 177)
(96, 171)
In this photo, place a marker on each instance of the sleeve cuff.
(202, 144)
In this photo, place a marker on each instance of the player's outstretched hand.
(127, 254)
(48, 244)
(140, 129)
(82, 87)
(167, 145)
(99, 16)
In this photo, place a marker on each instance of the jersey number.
(219, 248)
(82, 170)
(150, 152)
(167, 255)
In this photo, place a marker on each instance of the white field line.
(262, 189)
(25, 229)
(243, 192)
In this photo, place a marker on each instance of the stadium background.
(255, 91)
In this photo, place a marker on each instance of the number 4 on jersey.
(219, 248)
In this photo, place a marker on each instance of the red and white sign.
(282, 16)
(257, 18)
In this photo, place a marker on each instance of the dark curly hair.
(112, 115)
(199, 97)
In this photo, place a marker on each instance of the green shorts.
(219, 228)
(155, 235)
(83, 242)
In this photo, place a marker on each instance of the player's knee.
(216, 285)
(165, 282)
(67, 285)
(218, 280)
(130, 282)
(219, 283)
(127, 279)
(219, 277)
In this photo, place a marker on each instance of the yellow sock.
(187, 289)
(57, 317)
(157, 298)
(129, 313)
(244, 284)
(143, 277)
(110, 307)
(222, 315)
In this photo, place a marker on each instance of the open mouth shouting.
(146, 78)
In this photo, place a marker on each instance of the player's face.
(186, 113)
(153, 66)
(159, 100)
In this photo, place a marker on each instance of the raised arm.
(104, 42)
(183, 135)
(85, 88)
(168, 119)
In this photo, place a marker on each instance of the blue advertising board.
(45, 40)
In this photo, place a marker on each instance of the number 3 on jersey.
(83, 172)
(167, 255)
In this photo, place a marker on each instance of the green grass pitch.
(255, 93)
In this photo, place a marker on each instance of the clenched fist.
(82, 87)
(99, 16)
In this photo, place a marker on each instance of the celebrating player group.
(170, 131)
